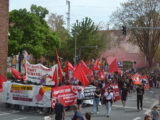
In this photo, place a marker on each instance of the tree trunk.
(150, 62)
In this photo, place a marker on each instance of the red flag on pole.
(113, 66)
(15, 73)
(2, 79)
(145, 82)
(59, 67)
(85, 68)
(55, 77)
(136, 79)
(68, 67)
(80, 75)
(96, 65)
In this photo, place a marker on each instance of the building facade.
(4, 21)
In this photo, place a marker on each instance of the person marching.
(124, 95)
(77, 114)
(59, 111)
(96, 100)
(80, 97)
(109, 99)
(155, 113)
(140, 93)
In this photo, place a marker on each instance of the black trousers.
(139, 101)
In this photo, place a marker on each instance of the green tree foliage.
(141, 13)
(87, 37)
(56, 23)
(31, 32)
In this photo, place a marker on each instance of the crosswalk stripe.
(20, 118)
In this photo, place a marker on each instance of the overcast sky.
(97, 10)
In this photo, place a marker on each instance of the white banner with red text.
(40, 74)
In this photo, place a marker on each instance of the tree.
(39, 11)
(31, 32)
(87, 37)
(56, 23)
(141, 13)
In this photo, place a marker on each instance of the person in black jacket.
(59, 111)
(140, 93)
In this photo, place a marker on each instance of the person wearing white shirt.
(80, 97)
(109, 98)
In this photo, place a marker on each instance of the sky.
(98, 10)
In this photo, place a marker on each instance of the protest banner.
(27, 95)
(89, 94)
(40, 74)
(66, 94)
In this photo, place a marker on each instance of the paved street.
(150, 99)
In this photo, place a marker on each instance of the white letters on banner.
(40, 74)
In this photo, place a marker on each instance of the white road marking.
(149, 110)
(151, 91)
(120, 106)
(4, 113)
(137, 118)
(20, 118)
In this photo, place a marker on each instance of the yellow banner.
(21, 87)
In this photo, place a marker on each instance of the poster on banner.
(115, 89)
(66, 94)
(40, 74)
(28, 95)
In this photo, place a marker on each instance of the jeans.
(95, 104)
(108, 106)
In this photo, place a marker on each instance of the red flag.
(16, 73)
(68, 67)
(2, 79)
(80, 75)
(136, 79)
(144, 80)
(59, 67)
(85, 68)
(113, 66)
(101, 75)
(55, 77)
(24, 77)
(96, 65)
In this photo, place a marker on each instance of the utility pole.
(68, 15)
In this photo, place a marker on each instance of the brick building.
(4, 8)
(120, 48)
